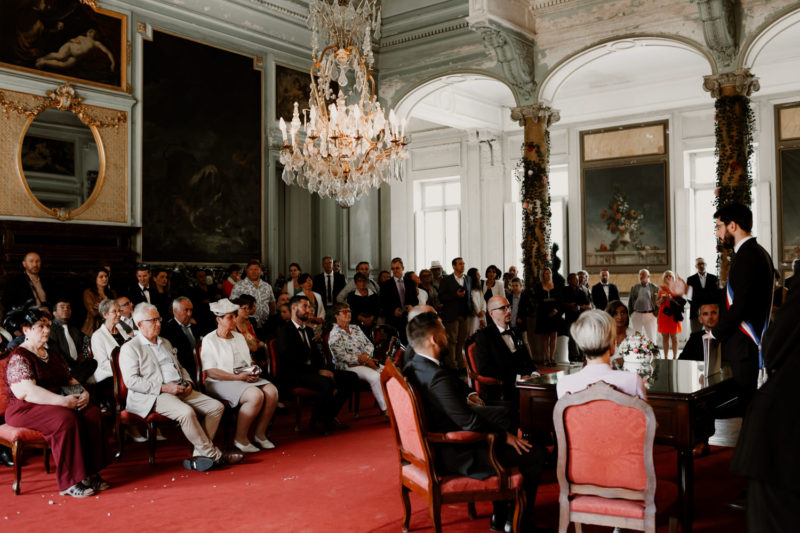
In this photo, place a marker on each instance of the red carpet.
(345, 482)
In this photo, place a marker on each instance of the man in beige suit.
(156, 381)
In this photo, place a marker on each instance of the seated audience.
(292, 286)
(183, 333)
(622, 327)
(450, 405)
(42, 395)
(107, 337)
(26, 287)
(594, 333)
(160, 295)
(247, 305)
(708, 316)
(157, 382)
(126, 316)
(233, 377)
(362, 268)
(364, 303)
(352, 351)
(233, 276)
(96, 293)
(71, 343)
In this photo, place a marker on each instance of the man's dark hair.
(142, 268)
(156, 271)
(253, 262)
(295, 265)
(421, 327)
(362, 263)
(516, 280)
(456, 260)
(232, 269)
(296, 299)
(738, 213)
(61, 298)
(397, 260)
(243, 299)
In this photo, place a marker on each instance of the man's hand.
(187, 389)
(363, 358)
(398, 312)
(172, 388)
(521, 445)
(326, 373)
(461, 293)
(677, 286)
(474, 399)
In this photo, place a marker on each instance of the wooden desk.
(682, 403)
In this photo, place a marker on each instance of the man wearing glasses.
(126, 316)
(702, 290)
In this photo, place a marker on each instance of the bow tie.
(508, 332)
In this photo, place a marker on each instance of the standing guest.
(160, 296)
(183, 333)
(594, 335)
(292, 286)
(703, 289)
(643, 305)
(233, 378)
(789, 283)
(477, 302)
(449, 405)
(670, 315)
(604, 291)
(709, 317)
(157, 382)
(107, 337)
(454, 293)
(513, 271)
(328, 283)
(412, 281)
(493, 285)
(258, 289)
(96, 293)
(383, 277)
(337, 267)
(232, 276)
(141, 290)
(27, 286)
(126, 315)
(352, 351)
(245, 327)
(202, 295)
(583, 285)
(437, 272)
(70, 343)
(548, 314)
(777, 292)
(363, 268)
(520, 308)
(315, 300)
(622, 330)
(426, 283)
(364, 303)
(397, 298)
(574, 302)
(42, 395)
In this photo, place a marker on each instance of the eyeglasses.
(126, 304)
(156, 319)
(501, 308)
(701, 264)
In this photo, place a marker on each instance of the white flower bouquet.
(637, 349)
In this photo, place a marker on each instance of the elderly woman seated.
(42, 395)
(594, 333)
(352, 351)
(107, 337)
(233, 377)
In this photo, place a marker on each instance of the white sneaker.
(246, 448)
(159, 436)
(265, 444)
(133, 433)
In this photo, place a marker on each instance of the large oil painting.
(789, 160)
(625, 216)
(65, 39)
(201, 153)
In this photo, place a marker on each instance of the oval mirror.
(60, 161)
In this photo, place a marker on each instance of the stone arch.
(766, 35)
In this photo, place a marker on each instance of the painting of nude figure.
(65, 39)
(201, 153)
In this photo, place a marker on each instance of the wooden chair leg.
(471, 512)
(151, 442)
(404, 495)
(18, 456)
(578, 527)
(519, 506)
(436, 513)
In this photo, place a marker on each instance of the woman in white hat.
(232, 377)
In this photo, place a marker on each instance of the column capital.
(535, 112)
(729, 83)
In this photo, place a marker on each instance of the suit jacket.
(573, 296)
(390, 300)
(136, 294)
(103, 343)
(141, 373)
(653, 288)
(173, 332)
(297, 358)
(751, 279)
(58, 340)
(19, 290)
(599, 295)
(454, 306)
(128, 329)
(494, 359)
(700, 295)
(338, 284)
(693, 351)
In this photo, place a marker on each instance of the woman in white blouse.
(231, 376)
(352, 351)
(478, 301)
(107, 337)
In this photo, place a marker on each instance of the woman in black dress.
(548, 316)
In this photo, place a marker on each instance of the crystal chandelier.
(348, 148)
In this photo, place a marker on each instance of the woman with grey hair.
(594, 334)
(107, 337)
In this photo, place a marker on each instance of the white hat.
(436, 264)
(223, 307)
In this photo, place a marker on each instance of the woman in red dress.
(42, 395)
(670, 315)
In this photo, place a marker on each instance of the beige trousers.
(186, 411)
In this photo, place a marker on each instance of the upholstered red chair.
(18, 439)
(605, 462)
(126, 418)
(417, 458)
(478, 382)
(296, 394)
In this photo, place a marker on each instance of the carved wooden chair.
(479, 383)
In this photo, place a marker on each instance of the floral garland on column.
(536, 214)
(734, 125)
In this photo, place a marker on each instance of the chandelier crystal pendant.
(348, 146)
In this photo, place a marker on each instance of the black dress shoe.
(230, 458)
(5, 457)
(199, 463)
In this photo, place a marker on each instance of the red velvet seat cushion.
(450, 484)
(127, 417)
(666, 496)
(11, 433)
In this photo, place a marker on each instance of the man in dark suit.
(183, 334)
(140, 291)
(454, 296)
(795, 270)
(397, 298)
(328, 284)
(574, 301)
(302, 365)
(604, 292)
(703, 289)
(26, 287)
(449, 405)
(126, 321)
(501, 354)
(708, 315)
(70, 342)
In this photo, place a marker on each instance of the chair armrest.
(456, 437)
(486, 380)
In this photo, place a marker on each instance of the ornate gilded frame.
(65, 99)
(787, 139)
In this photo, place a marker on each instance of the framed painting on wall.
(788, 135)
(51, 156)
(66, 40)
(201, 153)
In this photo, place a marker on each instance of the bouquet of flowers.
(637, 348)
(623, 221)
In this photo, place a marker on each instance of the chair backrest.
(399, 354)
(605, 443)
(403, 404)
(120, 389)
(3, 396)
(472, 368)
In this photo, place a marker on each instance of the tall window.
(437, 206)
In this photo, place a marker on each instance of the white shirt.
(168, 370)
(627, 382)
(507, 339)
(740, 243)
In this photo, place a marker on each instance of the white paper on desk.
(712, 359)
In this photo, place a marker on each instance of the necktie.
(306, 337)
(146, 294)
(73, 351)
(401, 291)
(329, 289)
(189, 335)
